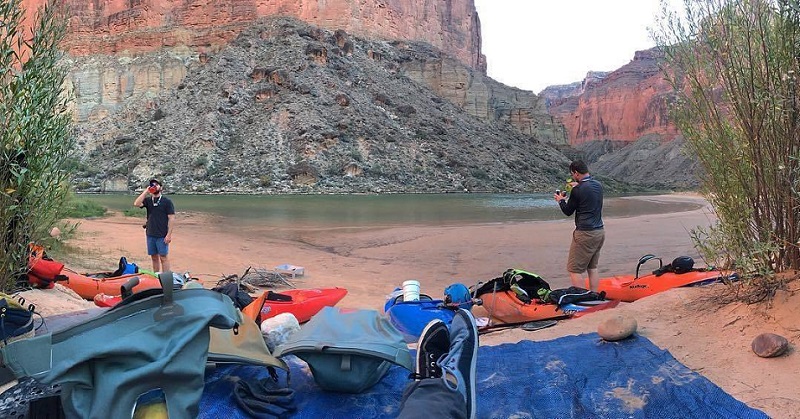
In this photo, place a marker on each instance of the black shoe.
(458, 366)
(433, 343)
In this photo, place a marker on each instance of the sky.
(532, 44)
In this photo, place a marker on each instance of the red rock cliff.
(627, 104)
(136, 26)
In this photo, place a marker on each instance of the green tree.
(35, 137)
(734, 66)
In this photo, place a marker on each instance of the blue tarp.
(570, 377)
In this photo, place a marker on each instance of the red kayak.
(105, 300)
(303, 303)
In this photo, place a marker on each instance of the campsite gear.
(633, 287)
(89, 285)
(303, 303)
(411, 290)
(348, 352)
(261, 398)
(506, 307)
(16, 321)
(537, 325)
(574, 295)
(276, 330)
(411, 317)
(526, 285)
(154, 339)
(43, 272)
(433, 343)
(457, 295)
(461, 359)
(31, 399)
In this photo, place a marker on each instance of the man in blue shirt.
(586, 202)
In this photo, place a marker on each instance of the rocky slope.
(288, 107)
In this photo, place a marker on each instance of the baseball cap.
(154, 181)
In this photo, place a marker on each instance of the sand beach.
(700, 332)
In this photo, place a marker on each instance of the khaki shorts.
(585, 250)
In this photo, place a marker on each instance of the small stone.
(769, 345)
(617, 328)
(55, 232)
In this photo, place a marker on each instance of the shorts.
(584, 253)
(156, 246)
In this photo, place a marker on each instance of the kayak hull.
(411, 317)
(629, 288)
(305, 303)
(88, 287)
(505, 307)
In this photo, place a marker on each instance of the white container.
(276, 330)
(411, 290)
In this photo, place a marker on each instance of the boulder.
(617, 327)
(769, 345)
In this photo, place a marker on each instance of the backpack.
(125, 267)
(526, 285)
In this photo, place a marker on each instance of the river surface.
(331, 211)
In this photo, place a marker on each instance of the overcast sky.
(532, 44)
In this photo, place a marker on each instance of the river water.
(331, 211)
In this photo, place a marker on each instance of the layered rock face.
(121, 51)
(626, 105)
(136, 26)
(486, 98)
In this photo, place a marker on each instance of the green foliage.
(79, 208)
(35, 137)
(135, 212)
(735, 67)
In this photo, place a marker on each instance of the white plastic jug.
(411, 290)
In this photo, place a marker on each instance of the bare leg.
(577, 280)
(164, 263)
(594, 279)
(156, 263)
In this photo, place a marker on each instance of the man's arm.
(568, 206)
(170, 228)
(139, 201)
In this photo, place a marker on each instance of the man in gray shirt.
(586, 202)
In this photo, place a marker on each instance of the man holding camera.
(160, 224)
(586, 201)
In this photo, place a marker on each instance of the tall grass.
(35, 137)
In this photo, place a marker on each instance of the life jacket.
(43, 271)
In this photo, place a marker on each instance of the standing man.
(586, 201)
(160, 224)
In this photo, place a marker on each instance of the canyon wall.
(129, 27)
(486, 98)
(625, 105)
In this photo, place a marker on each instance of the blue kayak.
(411, 317)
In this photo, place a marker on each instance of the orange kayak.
(88, 286)
(303, 303)
(630, 288)
(505, 307)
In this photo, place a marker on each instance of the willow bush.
(35, 137)
(734, 68)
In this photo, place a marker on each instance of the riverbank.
(711, 339)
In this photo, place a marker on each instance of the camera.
(560, 192)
